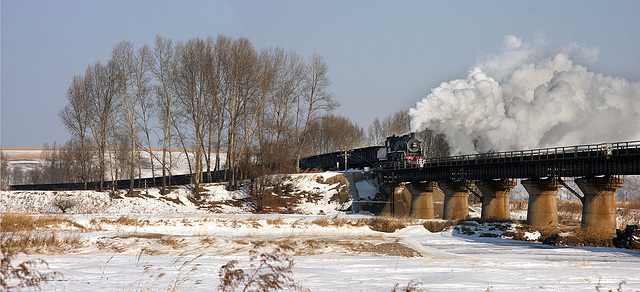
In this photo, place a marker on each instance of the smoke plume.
(529, 96)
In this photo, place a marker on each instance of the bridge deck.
(622, 158)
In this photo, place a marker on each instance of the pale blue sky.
(383, 56)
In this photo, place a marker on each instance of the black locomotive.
(397, 149)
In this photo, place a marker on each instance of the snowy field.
(147, 243)
(330, 258)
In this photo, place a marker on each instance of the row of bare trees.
(226, 104)
(210, 97)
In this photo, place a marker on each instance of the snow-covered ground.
(151, 242)
(445, 261)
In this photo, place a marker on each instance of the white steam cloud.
(530, 97)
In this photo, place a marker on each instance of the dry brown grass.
(322, 221)
(569, 213)
(518, 205)
(583, 237)
(336, 221)
(253, 222)
(20, 222)
(629, 212)
(40, 243)
(275, 221)
(140, 235)
(126, 221)
(388, 249)
(388, 225)
(208, 240)
(629, 205)
(574, 207)
(171, 242)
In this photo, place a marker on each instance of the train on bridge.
(404, 149)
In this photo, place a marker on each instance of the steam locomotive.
(397, 149)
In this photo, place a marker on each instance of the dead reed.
(20, 222)
(126, 221)
(40, 243)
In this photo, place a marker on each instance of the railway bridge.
(597, 169)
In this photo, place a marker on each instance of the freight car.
(397, 149)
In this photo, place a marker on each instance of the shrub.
(412, 286)
(629, 238)
(439, 225)
(64, 203)
(582, 237)
(385, 225)
(266, 272)
(25, 274)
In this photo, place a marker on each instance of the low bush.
(438, 225)
(266, 272)
(628, 238)
(387, 225)
(412, 286)
(581, 237)
(24, 274)
(64, 204)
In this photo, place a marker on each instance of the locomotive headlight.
(414, 146)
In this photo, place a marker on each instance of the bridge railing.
(606, 150)
(602, 150)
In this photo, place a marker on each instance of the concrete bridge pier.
(495, 198)
(456, 199)
(422, 199)
(598, 208)
(543, 206)
(399, 202)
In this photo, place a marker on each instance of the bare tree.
(316, 98)
(143, 89)
(433, 144)
(192, 96)
(211, 96)
(76, 118)
(333, 133)
(394, 124)
(215, 106)
(240, 81)
(287, 89)
(376, 133)
(398, 123)
(102, 106)
(4, 171)
(165, 69)
(132, 83)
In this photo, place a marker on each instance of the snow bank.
(215, 198)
